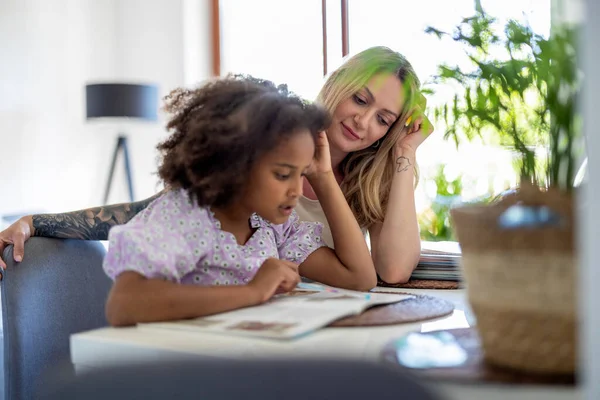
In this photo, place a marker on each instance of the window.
(276, 40)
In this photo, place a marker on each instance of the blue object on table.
(521, 216)
(431, 350)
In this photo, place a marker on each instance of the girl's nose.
(296, 189)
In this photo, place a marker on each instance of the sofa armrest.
(59, 289)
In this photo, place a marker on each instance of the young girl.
(225, 235)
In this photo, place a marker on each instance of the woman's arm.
(90, 224)
(134, 298)
(396, 243)
(350, 265)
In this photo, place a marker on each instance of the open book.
(286, 316)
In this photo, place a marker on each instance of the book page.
(286, 316)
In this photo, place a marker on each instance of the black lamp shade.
(121, 100)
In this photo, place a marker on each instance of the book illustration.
(275, 327)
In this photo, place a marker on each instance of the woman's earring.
(376, 144)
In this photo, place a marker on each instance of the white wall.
(50, 158)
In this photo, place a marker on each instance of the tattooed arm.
(91, 224)
(396, 243)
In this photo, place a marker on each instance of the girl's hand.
(273, 277)
(322, 162)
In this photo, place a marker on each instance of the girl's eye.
(359, 101)
(382, 121)
(281, 177)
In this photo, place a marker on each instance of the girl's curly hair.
(222, 128)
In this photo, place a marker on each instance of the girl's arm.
(396, 243)
(350, 265)
(135, 298)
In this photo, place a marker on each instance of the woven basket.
(521, 283)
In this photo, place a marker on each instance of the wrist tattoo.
(403, 164)
(89, 224)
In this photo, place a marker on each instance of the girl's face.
(275, 182)
(366, 116)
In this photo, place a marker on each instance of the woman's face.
(366, 116)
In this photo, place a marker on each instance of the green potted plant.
(518, 254)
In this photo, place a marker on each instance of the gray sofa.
(58, 289)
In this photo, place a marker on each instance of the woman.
(377, 126)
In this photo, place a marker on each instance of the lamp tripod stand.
(121, 145)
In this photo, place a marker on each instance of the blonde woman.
(377, 126)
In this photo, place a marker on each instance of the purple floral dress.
(173, 239)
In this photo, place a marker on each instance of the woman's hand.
(321, 164)
(419, 129)
(16, 234)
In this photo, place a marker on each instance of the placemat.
(422, 284)
(418, 308)
(473, 368)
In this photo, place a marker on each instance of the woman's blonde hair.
(368, 173)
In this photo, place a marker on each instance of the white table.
(111, 346)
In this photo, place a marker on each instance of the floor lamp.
(121, 100)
